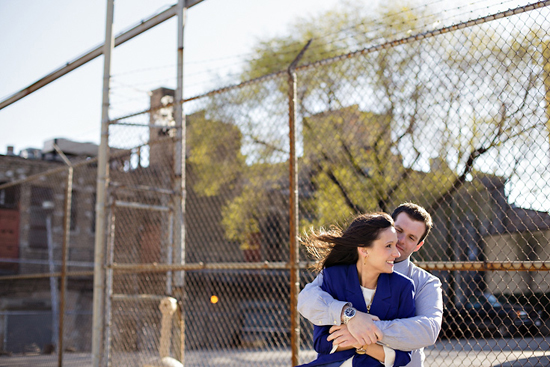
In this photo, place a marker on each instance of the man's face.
(409, 232)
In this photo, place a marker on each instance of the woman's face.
(383, 252)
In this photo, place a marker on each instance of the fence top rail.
(364, 51)
(427, 265)
(266, 265)
(161, 268)
(428, 34)
(47, 275)
(204, 95)
(485, 265)
(36, 176)
(126, 35)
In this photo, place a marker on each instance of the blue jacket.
(394, 299)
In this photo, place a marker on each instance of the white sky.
(38, 37)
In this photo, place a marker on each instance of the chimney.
(10, 150)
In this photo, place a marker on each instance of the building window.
(74, 210)
(9, 197)
(41, 208)
(94, 198)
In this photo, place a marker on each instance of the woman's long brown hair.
(334, 246)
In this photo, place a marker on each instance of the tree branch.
(342, 189)
(330, 174)
(460, 180)
(404, 175)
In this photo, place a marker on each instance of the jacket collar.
(381, 302)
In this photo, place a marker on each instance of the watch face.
(349, 312)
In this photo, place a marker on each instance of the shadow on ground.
(533, 361)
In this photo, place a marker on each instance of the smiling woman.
(357, 266)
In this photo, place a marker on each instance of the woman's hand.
(340, 336)
(362, 328)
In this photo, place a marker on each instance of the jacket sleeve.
(402, 358)
(421, 330)
(321, 333)
(320, 342)
(319, 307)
(406, 309)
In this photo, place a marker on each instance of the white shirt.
(389, 354)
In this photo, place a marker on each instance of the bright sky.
(38, 37)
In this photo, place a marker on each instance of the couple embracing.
(370, 305)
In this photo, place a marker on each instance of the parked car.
(485, 315)
(267, 324)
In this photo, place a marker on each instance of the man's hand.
(340, 336)
(363, 329)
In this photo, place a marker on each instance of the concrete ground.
(449, 353)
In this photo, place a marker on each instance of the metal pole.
(64, 258)
(179, 169)
(169, 255)
(102, 181)
(179, 152)
(53, 281)
(64, 252)
(294, 214)
(143, 26)
(545, 44)
(182, 331)
(109, 285)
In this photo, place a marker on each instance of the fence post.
(294, 213)
(48, 205)
(110, 248)
(178, 237)
(102, 179)
(64, 250)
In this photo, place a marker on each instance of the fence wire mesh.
(44, 294)
(454, 119)
(456, 122)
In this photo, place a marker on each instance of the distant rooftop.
(70, 147)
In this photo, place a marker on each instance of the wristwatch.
(349, 313)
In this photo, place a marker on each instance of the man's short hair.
(416, 212)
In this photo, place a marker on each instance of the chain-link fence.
(454, 119)
(47, 221)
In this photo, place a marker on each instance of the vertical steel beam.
(170, 251)
(179, 151)
(102, 181)
(64, 251)
(53, 280)
(294, 213)
(545, 44)
(109, 283)
(64, 258)
(179, 169)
